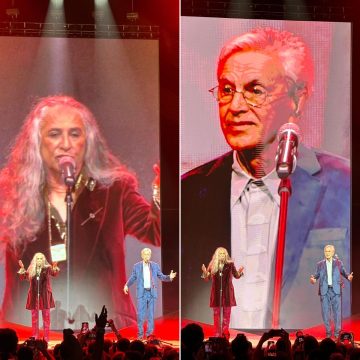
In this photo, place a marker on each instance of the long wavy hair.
(23, 180)
(213, 267)
(32, 267)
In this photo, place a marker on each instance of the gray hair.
(293, 53)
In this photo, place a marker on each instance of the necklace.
(38, 271)
(58, 251)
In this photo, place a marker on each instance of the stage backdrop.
(325, 124)
(119, 81)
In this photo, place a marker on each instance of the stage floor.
(166, 331)
(351, 324)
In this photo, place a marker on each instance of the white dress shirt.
(329, 271)
(254, 225)
(147, 276)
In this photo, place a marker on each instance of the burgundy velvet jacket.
(46, 300)
(101, 218)
(224, 282)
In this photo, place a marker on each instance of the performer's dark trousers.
(331, 302)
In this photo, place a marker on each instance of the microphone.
(67, 168)
(286, 153)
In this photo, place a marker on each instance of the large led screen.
(304, 79)
(118, 80)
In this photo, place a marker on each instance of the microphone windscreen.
(67, 167)
(67, 160)
(289, 126)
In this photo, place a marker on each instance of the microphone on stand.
(67, 168)
(288, 136)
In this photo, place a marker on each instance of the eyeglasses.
(254, 95)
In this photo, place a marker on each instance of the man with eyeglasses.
(264, 80)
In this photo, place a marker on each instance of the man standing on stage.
(329, 271)
(145, 274)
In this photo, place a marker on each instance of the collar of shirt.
(240, 179)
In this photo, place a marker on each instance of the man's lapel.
(307, 193)
(216, 195)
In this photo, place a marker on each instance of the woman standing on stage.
(221, 270)
(40, 294)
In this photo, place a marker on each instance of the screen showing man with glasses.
(265, 78)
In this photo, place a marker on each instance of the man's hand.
(350, 277)
(172, 275)
(126, 289)
(313, 280)
(101, 320)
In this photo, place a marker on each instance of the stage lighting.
(98, 15)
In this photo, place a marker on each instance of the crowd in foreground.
(89, 345)
(273, 344)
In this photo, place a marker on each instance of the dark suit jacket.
(318, 214)
(321, 275)
(101, 218)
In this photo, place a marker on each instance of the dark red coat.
(224, 281)
(46, 300)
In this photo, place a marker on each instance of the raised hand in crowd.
(101, 320)
(272, 333)
(114, 329)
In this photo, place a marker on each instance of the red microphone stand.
(284, 192)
